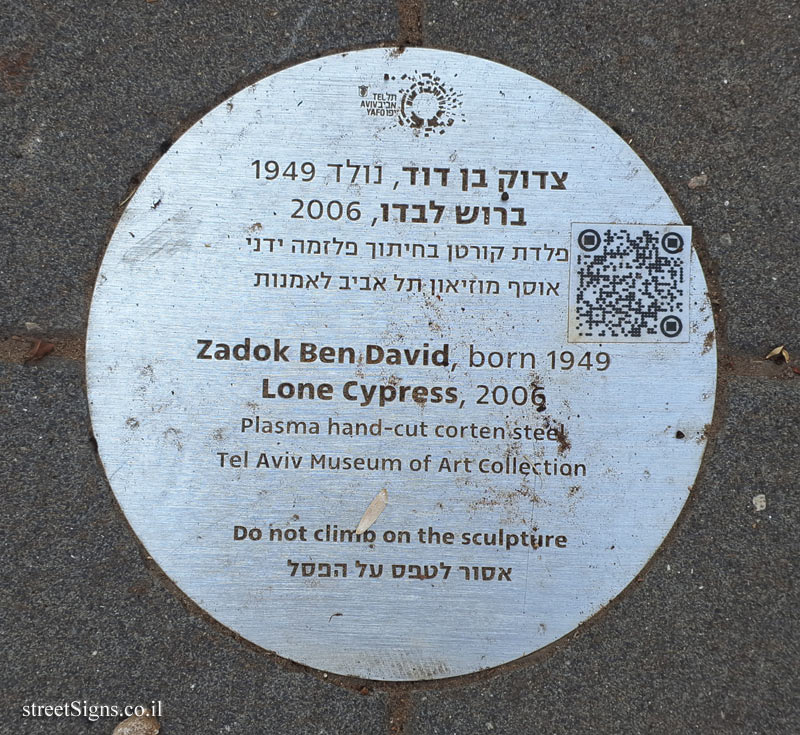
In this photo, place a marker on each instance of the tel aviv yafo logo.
(424, 104)
(427, 104)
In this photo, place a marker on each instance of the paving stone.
(91, 94)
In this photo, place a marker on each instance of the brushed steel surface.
(182, 266)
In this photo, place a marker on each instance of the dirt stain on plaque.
(564, 444)
(703, 435)
(708, 342)
(574, 496)
(172, 435)
(435, 316)
(360, 372)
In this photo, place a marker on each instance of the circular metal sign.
(400, 364)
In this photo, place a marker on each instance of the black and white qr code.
(629, 283)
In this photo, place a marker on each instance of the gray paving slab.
(91, 94)
(707, 640)
(84, 617)
(696, 88)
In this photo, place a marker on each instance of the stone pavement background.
(706, 641)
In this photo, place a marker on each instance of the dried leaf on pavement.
(39, 349)
(138, 725)
(779, 351)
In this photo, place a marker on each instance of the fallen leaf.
(374, 509)
(779, 351)
(760, 502)
(795, 370)
(144, 724)
(39, 349)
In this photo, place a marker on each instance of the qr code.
(629, 283)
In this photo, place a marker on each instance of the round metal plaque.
(419, 295)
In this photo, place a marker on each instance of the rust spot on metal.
(564, 444)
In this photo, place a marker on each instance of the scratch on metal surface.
(111, 476)
(152, 245)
